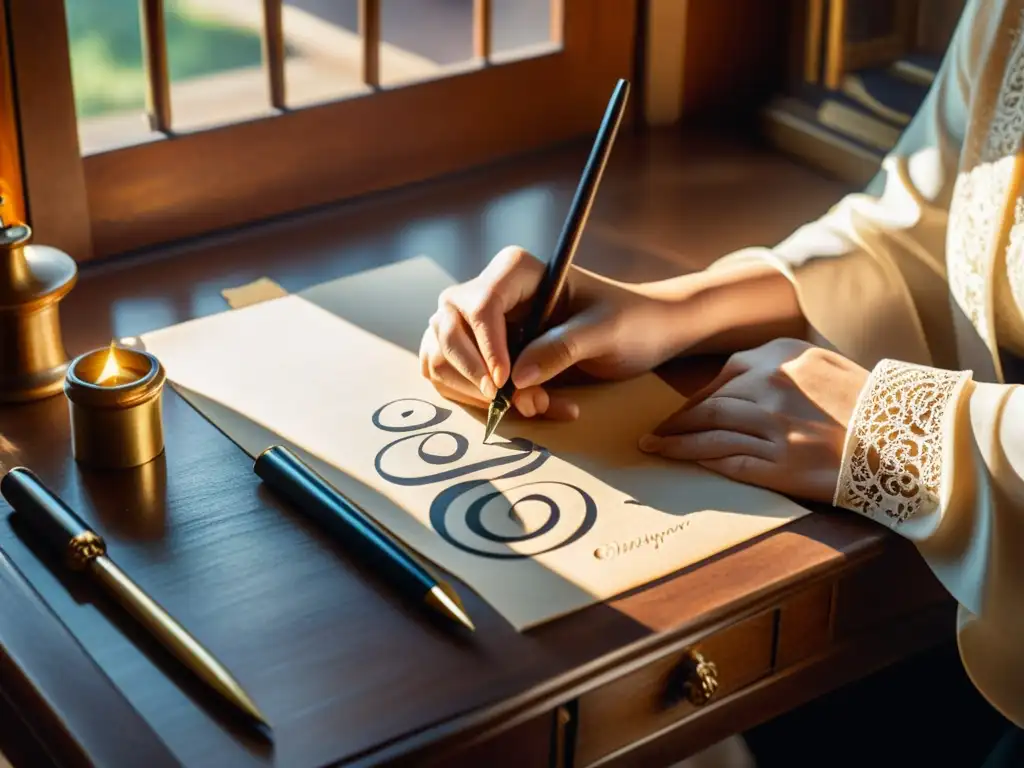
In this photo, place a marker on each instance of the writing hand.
(775, 417)
(602, 328)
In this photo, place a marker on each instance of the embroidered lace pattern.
(974, 215)
(979, 195)
(892, 464)
(1009, 300)
(1007, 124)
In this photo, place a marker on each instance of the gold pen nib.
(443, 599)
(495, 411)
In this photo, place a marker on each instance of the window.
(155, 120)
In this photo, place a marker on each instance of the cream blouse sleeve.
(931, 453)
(870, 274)
(939, 458)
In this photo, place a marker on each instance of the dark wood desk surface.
(344, 671)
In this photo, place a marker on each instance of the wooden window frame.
(187, 185)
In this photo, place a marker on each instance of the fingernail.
(498, 375)
(650, 443)
(488, 388)
(528, 376)
(541, 402)
(574, 411)
(526, 407)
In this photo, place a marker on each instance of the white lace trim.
(892, 464)
(1009, 299)
(979, 195)
(975, 216)
(1007, 125)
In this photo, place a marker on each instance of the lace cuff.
(892, 463)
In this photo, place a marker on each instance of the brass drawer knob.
(700, 679)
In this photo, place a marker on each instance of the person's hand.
(605, 329)
(775, 416)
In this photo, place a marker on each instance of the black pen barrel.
(42, 510)
(550, 289)
(286, 474)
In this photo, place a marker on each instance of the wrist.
(726, 309)
(685, 309)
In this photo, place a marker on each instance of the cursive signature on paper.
(653, 540)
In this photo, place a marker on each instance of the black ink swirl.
(520, 450)
(441, 506)
(440, 415)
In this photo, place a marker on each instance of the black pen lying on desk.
(287, 474)
(550, 289)
(82, 549)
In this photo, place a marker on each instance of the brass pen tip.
(222, 681)
(495, 411)
(248, 706)
(230, 689)
(447, 602)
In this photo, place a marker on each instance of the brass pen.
(84, 550)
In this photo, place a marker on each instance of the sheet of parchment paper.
(545, 519)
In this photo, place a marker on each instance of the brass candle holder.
(33, 280)
(116, 404)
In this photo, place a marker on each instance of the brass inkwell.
(115, 396)
(33, 280)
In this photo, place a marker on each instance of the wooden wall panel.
(54, 179)
(11, 186)
(935, 26)
(716, 57)
(736, 55)
(665, 47)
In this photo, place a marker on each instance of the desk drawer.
(641, 703)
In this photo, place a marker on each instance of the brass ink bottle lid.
(33, 280)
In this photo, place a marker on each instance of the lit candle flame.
(111, 369)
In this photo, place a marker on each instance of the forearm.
(725, 310)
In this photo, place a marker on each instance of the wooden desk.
(344, 671)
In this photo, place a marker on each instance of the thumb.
(580, 338)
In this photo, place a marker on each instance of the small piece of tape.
(255, 292)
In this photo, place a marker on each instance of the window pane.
(216, 66)
(107, 73)
(215, 57)
(424, 39)
(328, 52)
(521, 28)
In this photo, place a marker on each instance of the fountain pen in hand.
(550, 289)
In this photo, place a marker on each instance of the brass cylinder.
(33, 280)
(116, 422)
